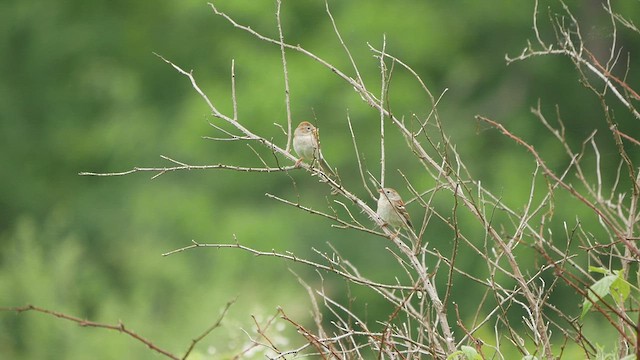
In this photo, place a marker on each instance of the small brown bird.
(391, 209)
(306, 144)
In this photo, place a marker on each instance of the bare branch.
(355, 279)
(183, 166)
(120, 327)
(286, 78)
(209, 330)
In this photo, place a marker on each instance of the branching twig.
(209, 330)
(290, 257)
(86, 323)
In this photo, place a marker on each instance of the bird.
(306, 144)
(391, 209)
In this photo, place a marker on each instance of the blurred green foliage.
(82, 91)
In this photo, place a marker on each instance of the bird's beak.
(381, 190)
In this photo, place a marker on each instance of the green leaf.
(470, 353)
(599, 269)
(620, 288)
(599, 288)
(612, 284)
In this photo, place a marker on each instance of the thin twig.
(209, 330)
(355, 279)
(86, 323)
(285, 72)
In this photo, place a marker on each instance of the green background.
(82, 91)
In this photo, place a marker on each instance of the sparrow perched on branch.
(306, 144)
(391, 209)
